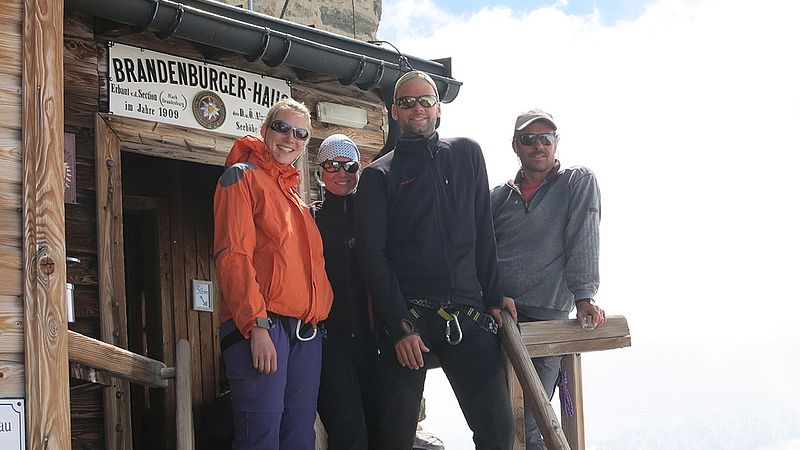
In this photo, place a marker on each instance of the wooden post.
(517, 404)
(111, 278)
(183, 390)
(531, 385)
(573, 426)
(43, 242)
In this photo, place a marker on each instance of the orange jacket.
(267, 247)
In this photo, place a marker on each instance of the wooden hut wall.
(12, 377)
(186, 251)
(81, 93)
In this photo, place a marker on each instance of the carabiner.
(447, 330)
(305, 339)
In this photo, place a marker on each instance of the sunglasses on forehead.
(531, 138)
(335, 166)
(284, 128)
(407, 102)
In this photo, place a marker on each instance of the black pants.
(347, 392)
(474, 368)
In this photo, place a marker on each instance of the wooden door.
(168, 243)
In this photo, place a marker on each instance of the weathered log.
(531, 385)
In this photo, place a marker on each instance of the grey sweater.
(548, 249)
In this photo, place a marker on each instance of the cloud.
(687, 113)
(404, 19)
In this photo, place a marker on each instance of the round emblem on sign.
(208, 109)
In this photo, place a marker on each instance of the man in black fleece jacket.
(425, 243)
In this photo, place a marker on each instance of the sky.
(687, 112)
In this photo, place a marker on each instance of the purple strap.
(564, 396)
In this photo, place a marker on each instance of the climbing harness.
(450, 313)
(301, 328)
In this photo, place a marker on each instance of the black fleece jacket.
(349, 316)
(424, 228)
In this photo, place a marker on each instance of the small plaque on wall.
(12, 423)
(202, 296)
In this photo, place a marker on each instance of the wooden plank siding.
(188, 241)
(10, 46)
(209, 349)
(11, 272)
(10, 195)
(12, 376)
(11, 158)
(10, 105)
(43, 250)
(11, 321)
(167, 321)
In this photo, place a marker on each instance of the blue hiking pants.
(276, 411)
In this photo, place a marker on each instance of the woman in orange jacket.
(268, 253)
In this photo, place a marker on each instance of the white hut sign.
(163, 88)
(12, 423)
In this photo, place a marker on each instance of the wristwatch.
(264, 322)
(587, 300)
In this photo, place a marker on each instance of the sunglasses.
(284, 128)
(408, 102)
(531, 138)
(334, 166)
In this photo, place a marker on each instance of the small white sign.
(155, 86)
(12, 423)
(202, 296)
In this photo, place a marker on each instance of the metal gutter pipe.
(274, 41)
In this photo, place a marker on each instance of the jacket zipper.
(348, 257)
(441, 222)
(525, 204)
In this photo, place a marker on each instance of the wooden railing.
(142, 370)
(551, 338)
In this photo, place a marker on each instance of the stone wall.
(336, 16)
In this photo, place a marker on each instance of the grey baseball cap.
(528, 117)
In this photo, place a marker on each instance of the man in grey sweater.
(546, 223)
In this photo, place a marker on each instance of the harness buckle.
(458, 331)
(301, 338)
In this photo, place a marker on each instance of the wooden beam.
(116, 361)
(111, 278)
(561, 337)
(565, 348)
(531, 385)
(573, 425)
(170, 141)
(557, 331)
(43, 249)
